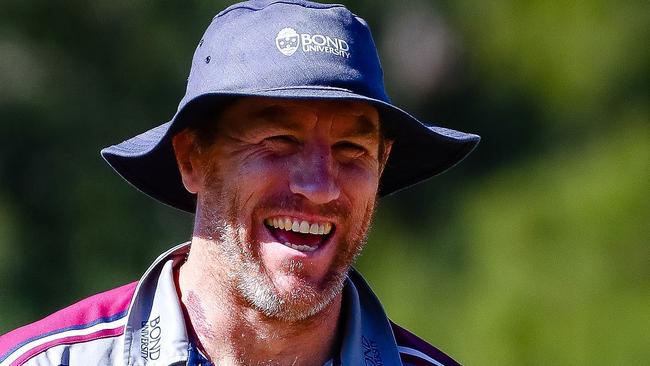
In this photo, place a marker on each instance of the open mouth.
(298, 234)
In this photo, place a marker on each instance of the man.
(282, 144)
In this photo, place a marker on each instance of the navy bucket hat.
(296, 50)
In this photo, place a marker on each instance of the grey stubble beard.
(246, 277)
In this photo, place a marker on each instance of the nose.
(314, 176)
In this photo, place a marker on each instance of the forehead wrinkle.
(276, 116)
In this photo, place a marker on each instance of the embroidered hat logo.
(288, 40)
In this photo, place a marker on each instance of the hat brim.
(419, 152)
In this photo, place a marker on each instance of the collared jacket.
(142, 324)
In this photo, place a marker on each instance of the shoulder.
(97, 317)
(414, 351)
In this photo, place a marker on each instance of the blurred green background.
(533, 251)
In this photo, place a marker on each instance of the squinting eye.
(281, 142)
(281, 138)
(349, 150)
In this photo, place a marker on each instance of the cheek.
(360, 187)
(256, 176)
(359, 182)
(264, 168)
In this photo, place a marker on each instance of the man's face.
(286, 194)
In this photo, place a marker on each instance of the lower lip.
(317, 242)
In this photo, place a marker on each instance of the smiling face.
(285, 195)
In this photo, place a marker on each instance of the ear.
(186, 158)
(388, 145)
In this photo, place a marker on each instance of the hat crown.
(284, 44)
(287, 49)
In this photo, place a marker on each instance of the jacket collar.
(155, 333)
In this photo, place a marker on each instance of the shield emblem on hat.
(287, 41)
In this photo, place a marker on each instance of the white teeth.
(299, 226)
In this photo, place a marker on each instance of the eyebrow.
(366, 128)
(277, 116)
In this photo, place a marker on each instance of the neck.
(230, 332)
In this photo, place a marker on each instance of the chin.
(301, 301)
(289, 293)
